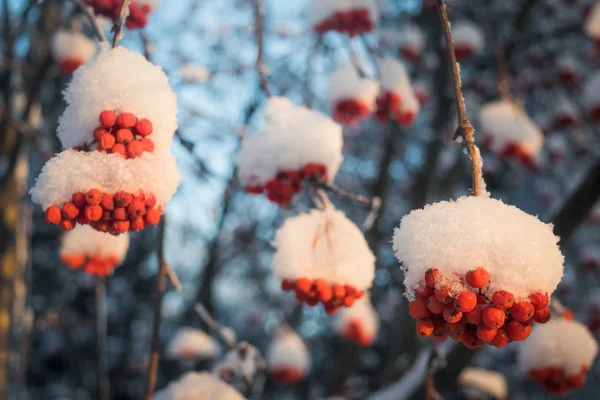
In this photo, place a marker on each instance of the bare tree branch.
(119, 22)
(259, 30)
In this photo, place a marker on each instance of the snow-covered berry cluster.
(477, 270)
(139, 10)
(71, 50)
(468, 39)
(192, 344)
(397, 100)
(288, 359)
(294, 145)
(198, 385)
(323, 257)
(559, 354)
(112, 176)
(359, 323)
(510, 133)
(412, 42)
(95, 252)
(350, 17)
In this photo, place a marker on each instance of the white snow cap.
(363, 312)
(323, 244)
(518, 250)
(465, 33)
(198, 386)
(194, 72)
(290, 138)
(320, 10)
(118, 80)
(287, 350)
(506, 123)
(152, 3)
(489, 382)
(86, 240)
(561, 343)
(74, 171)
(346, 84)
(592, 22)
(412, 38)
(394, 78)
(192, 343)
(71, 45)
(591, 89)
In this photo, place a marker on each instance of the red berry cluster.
(138, 13)
(410, 53)
(105, 212)
(351, 22)
(512, 150)
(350, 111)
(286, 375)
(463, 51)
(125, 134)
(388, 107)
(69, 65)
(554, 379)
(470, 317)
(313, 292)
(286, 184)
(355, 332)
(96, 265)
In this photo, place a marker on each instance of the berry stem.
(119, 22)
(465, 129)
(259, 28)
(214, 325)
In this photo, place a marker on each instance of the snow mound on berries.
(345, 84)
(412, 38)
(466, 33)
(591, 89)
(394, 78)
(507, 124)
(290, 138)
(73, 171)
(288, 350)
(361, 311)
(489, 382)
(592, 22)
(72, 45)
(86, 240)
(118, 80)
(519, 251)
(192, 343)
(320, 10)
(562, 343)
(323, 244)
(199, 386)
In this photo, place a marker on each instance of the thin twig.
(503, 78)
(92, 20)
(214, 325)
(431, 392)
(160, 292)
(465, 129)
(101, 340)
(119, 22)
(259, 29)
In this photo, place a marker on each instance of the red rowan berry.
(107, 118)
(119, 149)
(500, 340)
(439, 330)
(147, 145)
(136, 208)
(478, 278)
(466, 301)
(99, 134)
(503, 299)
(432, 276)
(425, 327)
(471, 340)
(140, 196)
(137, 224)
(418, 309)
(435, 306)
(134, 149)
(69, 211)
(93, 197)
(150, 201)
(517, 331)
(120, 226)
(287, 285)
(120, 214)
(73, 260)
(143, 127)
(124, 136)
(542, 316)
(93, 213)
(443, 294)
(451, 314)
(303, 285)
(152, 216)
(79, 199)
(456, 330)
(486, 334)
(568, 314)
(126, 120)
(107, 202)
(106, 142)
(315, 172)
(53, 215)
(123, 199)
(423, 292)
(107, 216)
(539, 300)
(339, 291)
(67, 224)
(81, 218)
(577, 381)
(493, 317)
(325, 294)
(348, 301)
(522, 311)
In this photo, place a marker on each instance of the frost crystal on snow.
(323, 244)
(518, 250)
(489, 382)
(190, 343)
(73, 171)
(561, 343)
(88, 241)
(198, 386)
(291, 138)
(288, 351)
(118, 80)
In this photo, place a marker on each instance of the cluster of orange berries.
(138, 13)
(313, 292)
(286, 184)
(554, 379)
(388, 107)
(354, 332)
(286, 375)
(123, 134)
(512, 150)
(95, 265)
(470, 317)
(351, 22)
(350, 111)
(105, 212)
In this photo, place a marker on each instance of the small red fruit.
(486, 334)
(143, 127)
(418, 309)
(435, 306)
(147, 145)
(439, 330)
(137, 224)
(107, 118)
(121, 226)
(67, 224)
(119, 149)
(70, 211)
(425, 327)
(478, 278)
(126, 120)
(123, 199)
(99, 133)
(466, 301)
(134, 149)
(517, 331)
(107, 202)
(493, 317)
(106, 142)
(501, 339)
(153, 216)
(120, 214)
(443, 295)
(423, 291)
(452, 315)
(522, 311)
(93, 213)
(432, 276)
(539, 300)
(474, 316)
(79, 199)
(470, 340)
(124, 136)
(339, 291)
(137, 208)
(93, 197)
(303, 285)
(542, 316)
(457, 330)
(503, 299)
(53, 215)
